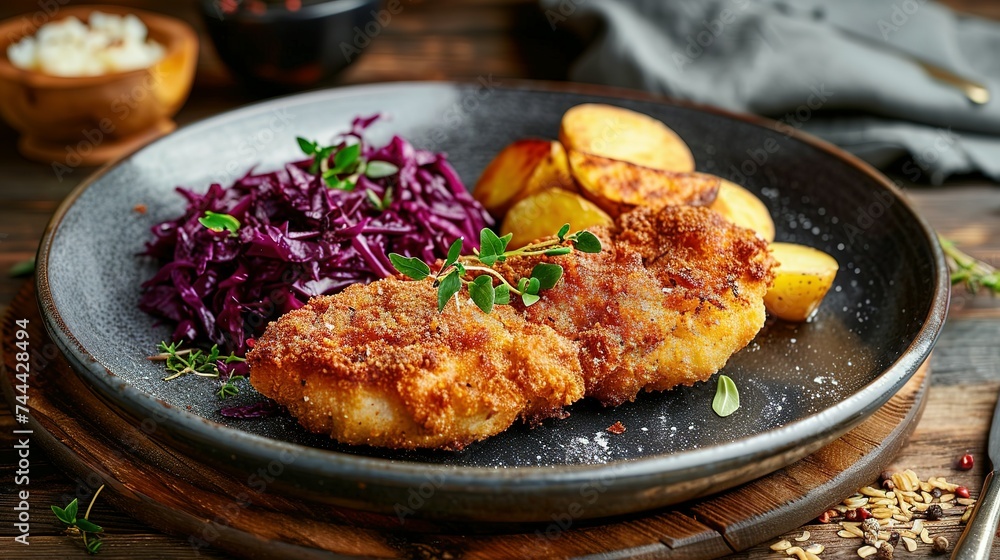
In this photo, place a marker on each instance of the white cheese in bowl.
(71, 48)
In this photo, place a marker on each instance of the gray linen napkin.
(833, 68)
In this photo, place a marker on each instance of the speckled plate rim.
(824, 425)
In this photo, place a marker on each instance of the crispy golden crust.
(379, 365)
(666, 304)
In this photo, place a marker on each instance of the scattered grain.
(781, 545)
(866, 551)
(910, 544)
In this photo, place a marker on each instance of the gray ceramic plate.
(801, 385)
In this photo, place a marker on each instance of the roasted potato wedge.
(744, 209)
(543, 213)
(508, 174)
(520, 170)
(617, 133)
(618, 186)
(803, 277)
(552, 172)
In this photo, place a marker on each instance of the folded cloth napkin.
(840, 69)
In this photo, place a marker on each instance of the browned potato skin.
(552, 172)
(508, 174)
(618, 133)
(743, 208)
(618, 186)
(543, 213)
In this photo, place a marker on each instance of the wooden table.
(439, 39)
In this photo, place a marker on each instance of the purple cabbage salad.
(245, 254)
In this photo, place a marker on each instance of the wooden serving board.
(180, 495)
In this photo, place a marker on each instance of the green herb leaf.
(491, 247)
(94, 546)
(378, 169)
(62, 515)
(72, 509)
(308, 147)
(727, 397)
(547, 275)
(449, 286)
(501, 295)
(587, 242)
(529, 299)
(533, 287)
(347, 157)
(410, 266)
(522, 284)
(453, 253)
(482, 293)
(219, 222)
(558, 251)
(85, 525)
(562, 232)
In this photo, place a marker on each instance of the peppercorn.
(940, 545)
(936, 492)
(962, 492)
(888, 485)
(851, 515)
(934, 512)
(884, 476)
(893, 538)
(884, 552)
(966, 462)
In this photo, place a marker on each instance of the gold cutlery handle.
(977, 539)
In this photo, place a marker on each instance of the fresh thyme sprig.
(348, 166)
(198, 362)
(967, 270)
(82, 526)
(493, 249)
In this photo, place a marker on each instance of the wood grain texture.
(177, 494)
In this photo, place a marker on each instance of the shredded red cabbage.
(299, 238)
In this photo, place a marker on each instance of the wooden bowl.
(90, 120)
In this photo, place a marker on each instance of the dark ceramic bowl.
(280, 49)
(801, 385)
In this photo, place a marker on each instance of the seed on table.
(866, 551)
(966, 515)
(918, 526)
(884, 476)
(884, 552)
(847, 534)
(815, 548)
(925, 537)
(925, 487)
(946, 497)
(863, 513)
(940, 545)
(781, 545)
(873, 492)
(962, 492)
(851, 515)
(934, 512)
(893, 538)
(888, 484)
(936, 492)
(928, 497)
(966, 501)
(803, 537)
(910, 544)
(966, 462)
